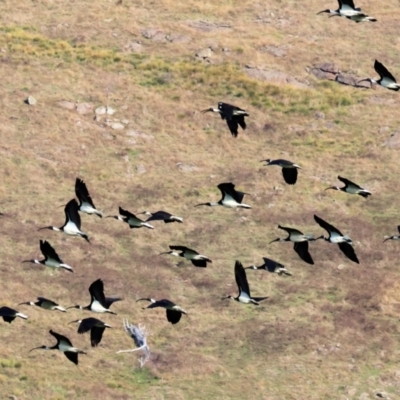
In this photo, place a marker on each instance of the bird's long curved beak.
(319, 237)
(165, 252)
(204, 111)
(144, 298)
(330, 187)
(201, 204)
(276, 240)
(365, 80)
(62, 205)
(73, 322)
(26, 261)
(77, 306)
(323, 11)
(45, 227)
(25, 303)
(35, 348)
(111, 216)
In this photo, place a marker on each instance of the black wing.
(226, 110)
(382, 71)
(60, 338)
(82, 193)
(301, 248)
(44, 300)
(289, 175)
(160, 215)
(241, 279)
(199, 263)
(72, 356)
(111, 300)
(183, 248)
(271, 265)
(126, 213)
(349, 3)
(240, 120)
(96, 290)
(48, 251)
(328, 227)
(87, 324)
(290, 230)
(349, 252)
(398, 228)
(8, 319)
(233, 126)
(8, 314)
(95, 335)
(348, 182)
(71, 213)
(229, 189)
(173, 316)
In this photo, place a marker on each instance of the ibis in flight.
(98, 302)
(386, 79)
(234, 116)
(198, 260)
(335, 236)
(8, 314)
(131, 219)
(162, 216)
(139, 334)
(173, 311)
(45, 304)
(394, 237)
(244, 295)
(351, 188)
(86, 204)
(51, 258)
(289, 169)
(64, 345)
(231, 198)
(72, 225)
(300, 241)
(346, 9)
(95, 326)
(271, 266)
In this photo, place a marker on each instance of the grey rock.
(134, 47)
(276, 51)
(84, 108)
(187, 167)
(276, 77)
(328, 67)
(204, 53)
(178, 38)
(140, 169)
(68, 105)
(117, 126)
(30, 100)
(319, 115)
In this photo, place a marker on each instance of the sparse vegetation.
(328, 332)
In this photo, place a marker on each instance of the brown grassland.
(331, 331)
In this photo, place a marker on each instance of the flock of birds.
(230, 198)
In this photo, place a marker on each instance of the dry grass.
(330, 331)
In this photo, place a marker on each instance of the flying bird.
(173, 311)
(289, 169)
(86, 204)
(271, 266)
(64, 345)
(386, 79)
(95, 326)
(335, 236)
(72, 225)
(51, 258)
(346, 9)
(351, 188)
(98, 302)
(46, 304)
(244, 295)
(231, 198)
(131, 219)
(162, 216)
(198, 260)
(8, 314)
(233, 115)
(300, 241)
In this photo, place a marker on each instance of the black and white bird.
(394, 237)
(271, 266)
(300, 241)
(86, 204)
(231, 198)
(361, 18)
(244, 295)
(351, 188)
(289, 169)
(173, 311)
(98, 302)
(72, 225)
(95, 326)
(162, 216)
(233, 115)
(51, 258)
(9, 314)
(386, 79)
(45, 304)
(131, 219)
(346, 9)
(64, 345)
(335, 236)
(139, 334)
(198, 260)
